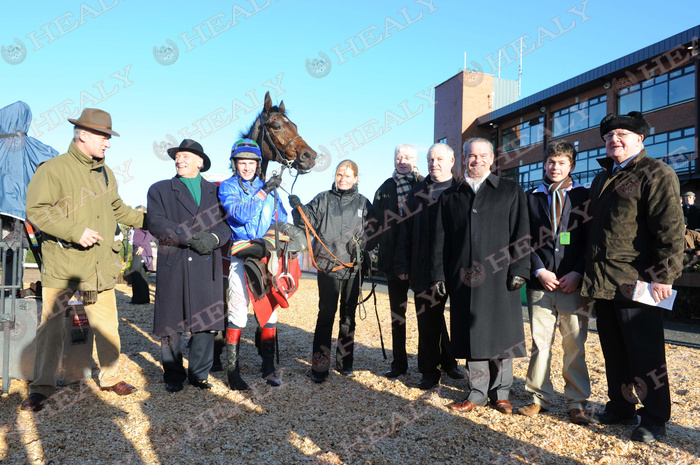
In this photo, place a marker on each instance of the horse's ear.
(282, 106)
(268, 101)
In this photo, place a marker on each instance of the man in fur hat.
(635, 234)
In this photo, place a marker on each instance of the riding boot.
(233, 375)
(267, 346)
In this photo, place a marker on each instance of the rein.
(307, 223)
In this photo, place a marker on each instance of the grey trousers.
(489, 379)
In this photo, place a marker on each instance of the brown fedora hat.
(97, 120)
(189, 145)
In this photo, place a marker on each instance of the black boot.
(268, 363)
(268, 337)
(233, 375)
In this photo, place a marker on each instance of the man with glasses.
(73, 200)
(635, 234)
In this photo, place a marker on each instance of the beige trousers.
(102, 316)
(546, 308)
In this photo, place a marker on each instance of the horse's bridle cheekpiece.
(264, 136)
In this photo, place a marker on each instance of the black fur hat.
(633, 121)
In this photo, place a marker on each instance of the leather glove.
(515, 282)
(272, 183)
(440, 289)
(294, 201)
(203, 243)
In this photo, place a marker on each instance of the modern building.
(661, 80)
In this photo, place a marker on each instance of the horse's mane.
(273, 109)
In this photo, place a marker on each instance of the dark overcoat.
(189, 286)
(480, 240)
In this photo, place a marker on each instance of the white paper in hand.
(642, 294)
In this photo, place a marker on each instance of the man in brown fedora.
(73, 200)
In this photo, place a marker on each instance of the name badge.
(565, 238)
(359, 213)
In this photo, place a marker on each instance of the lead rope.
(372, 293)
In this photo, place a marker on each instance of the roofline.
(596, 73)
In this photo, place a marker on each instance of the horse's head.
(279, 139)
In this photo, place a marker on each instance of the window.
(524, 134)
(661, 91)
(443, 140)
(578, 117)
(677, 148)
(587, 165)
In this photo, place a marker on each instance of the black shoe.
(607, 418)
(347, 373)
(395, 372)
(648, 433)
(427, 383)
(201, 384)
(318, 378)
(455, 373)
(173, 386)
(34, 402)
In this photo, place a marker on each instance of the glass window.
(524, 134)
(654, 97)
(579, 117)
(631, 101)
(667, 89)
(681, 89)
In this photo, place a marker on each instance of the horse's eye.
(275, 126)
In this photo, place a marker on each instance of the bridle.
(264, 136)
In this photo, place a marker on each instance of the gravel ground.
(367, 419)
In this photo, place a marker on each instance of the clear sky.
(385, 58)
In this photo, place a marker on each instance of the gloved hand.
(203, 243)
(272, 183)
(294, 201)
(515, 282)
(440, 289)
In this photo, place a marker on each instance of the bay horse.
(279, 140)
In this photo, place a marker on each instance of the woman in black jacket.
(338, 216)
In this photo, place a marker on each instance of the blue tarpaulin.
(20, 154)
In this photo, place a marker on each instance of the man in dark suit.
(480, 257)
(413, 259)
(191, 228)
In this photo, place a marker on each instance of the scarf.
(194, 185)
(556, 206)
(404, 183)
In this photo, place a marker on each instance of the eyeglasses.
(609, 136)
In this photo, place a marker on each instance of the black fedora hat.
(96, 120)
(189, 145)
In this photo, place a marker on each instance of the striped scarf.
(404, 183)
(556, 206)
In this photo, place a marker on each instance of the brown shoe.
(578, 417)
(529, 410)
(34, 402)
(503, 406)
(464, 406)
(120, 388)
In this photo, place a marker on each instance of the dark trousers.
(433, 339)
(200, 357)
(329, 289)
(139, 282)
(632, 339)
(398, 301)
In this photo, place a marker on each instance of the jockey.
(250, 208)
